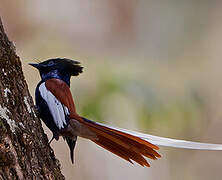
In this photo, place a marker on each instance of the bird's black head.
(58, 68)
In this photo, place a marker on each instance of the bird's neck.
(58, 75)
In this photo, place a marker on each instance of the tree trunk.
(24, 149)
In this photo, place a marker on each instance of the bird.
(56, 108)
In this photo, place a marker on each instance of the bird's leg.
(51, 140)
(37, 110)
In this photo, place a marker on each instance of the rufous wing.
(62, 92)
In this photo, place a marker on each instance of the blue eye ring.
(51, 63)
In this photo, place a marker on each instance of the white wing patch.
(57, 109)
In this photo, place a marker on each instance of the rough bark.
(24, 149)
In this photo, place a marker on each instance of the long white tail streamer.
(168, 142)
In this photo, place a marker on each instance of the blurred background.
(151, 66)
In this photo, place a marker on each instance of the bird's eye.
(50, 63)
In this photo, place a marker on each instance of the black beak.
(34, 65)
